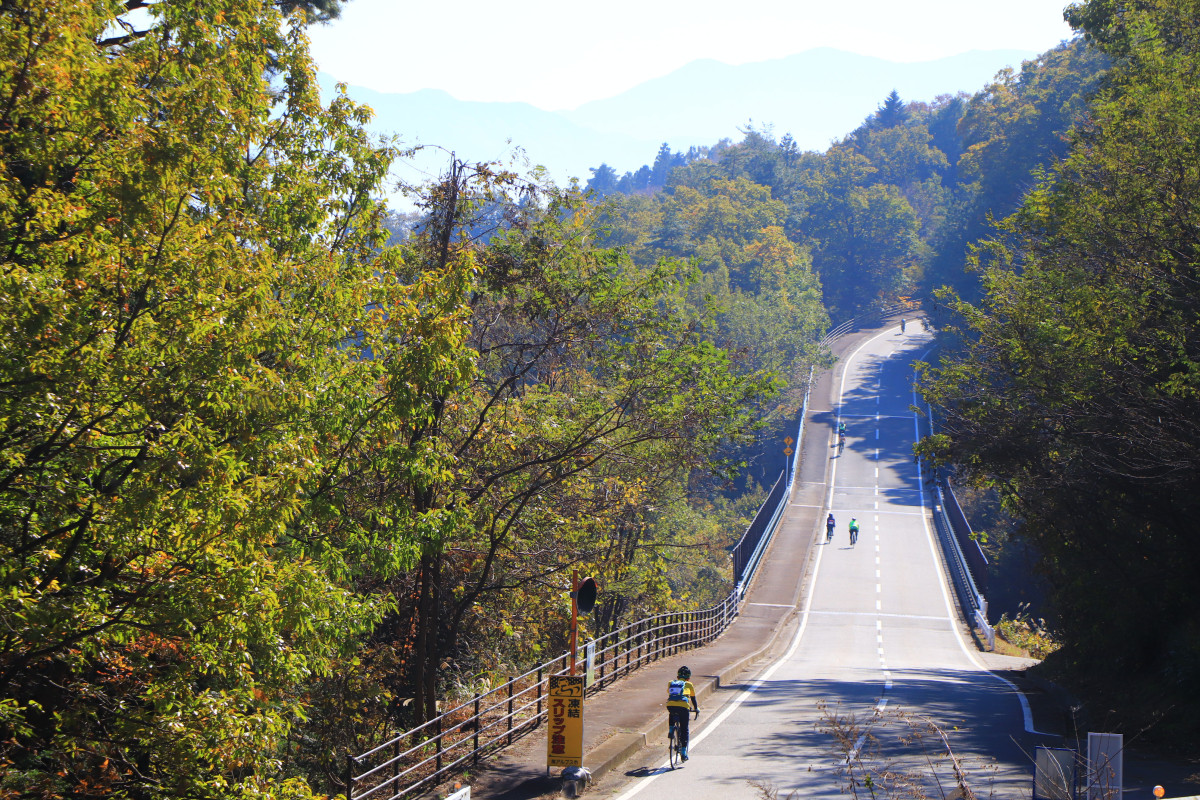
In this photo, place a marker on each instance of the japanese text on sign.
(564, 731)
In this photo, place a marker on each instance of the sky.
(559, 55)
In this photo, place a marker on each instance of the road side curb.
(613, 751)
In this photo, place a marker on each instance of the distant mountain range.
(818, 96)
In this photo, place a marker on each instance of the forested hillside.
(1074, 393)
(886, 212)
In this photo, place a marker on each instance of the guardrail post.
(349, 776)
(396, 762)
(475, 735)
(510, 707)
(539, 697)
(438, 734)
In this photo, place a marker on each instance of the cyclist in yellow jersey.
(681, 698)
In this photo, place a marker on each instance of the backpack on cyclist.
(675, 691)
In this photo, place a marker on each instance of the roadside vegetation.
(1028, 635)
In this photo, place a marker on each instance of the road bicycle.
(828, 533)
(853, 536)
(674, 750)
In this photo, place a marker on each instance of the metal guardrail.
(966, 560)
(976, 560)
(419, 759)
(879, 314)
(795, 466)
(973, 603)
(422, 757)
(749, 549)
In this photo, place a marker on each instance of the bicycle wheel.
(672, 747)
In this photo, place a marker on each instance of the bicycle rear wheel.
(673, 747)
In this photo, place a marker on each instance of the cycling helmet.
(683, 674)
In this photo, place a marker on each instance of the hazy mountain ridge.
(818, 96)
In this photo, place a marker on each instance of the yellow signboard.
(564, 732)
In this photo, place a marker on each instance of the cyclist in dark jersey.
(681, 698)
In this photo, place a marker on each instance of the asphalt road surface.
(877, 654)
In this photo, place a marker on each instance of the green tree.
(603, 180)
(864, 236)
(594, 395)
(1076, 393)
(1012, 128)
(891, 114)
(191, 280)
(661, 166)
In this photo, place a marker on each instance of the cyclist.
(830, 524)
(853, 531)
(841, 433)
(679, 692)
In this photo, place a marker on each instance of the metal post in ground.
(510, 707)
(475, 735)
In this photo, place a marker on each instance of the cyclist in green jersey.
(853, 531)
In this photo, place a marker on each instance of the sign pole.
(574, 616)
(564, 720)
(787, 463)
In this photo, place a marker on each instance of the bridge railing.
(748, 551)
(420, 758)
(964, 557)
(876, 315)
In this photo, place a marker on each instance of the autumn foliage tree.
(190, 285)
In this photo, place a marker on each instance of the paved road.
(877, 634)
